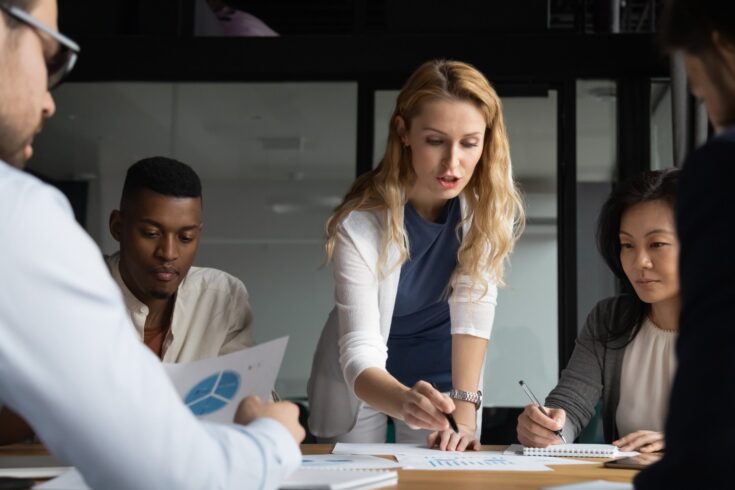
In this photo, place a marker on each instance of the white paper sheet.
(31, 466)
(213, 388)
(71, 480)
(384, 449)
(301, 479)
(484, 460)
(345, 462)
(339, 480)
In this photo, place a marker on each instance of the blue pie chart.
(213, 392)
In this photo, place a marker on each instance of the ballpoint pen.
(449, 416)
(540, 407)
(452, 422)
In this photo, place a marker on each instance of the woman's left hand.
(643, 441)
(448, 440)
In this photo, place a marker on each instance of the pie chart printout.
(213, 392)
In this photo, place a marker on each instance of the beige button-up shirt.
(211, 317)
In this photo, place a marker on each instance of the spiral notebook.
(577, 450)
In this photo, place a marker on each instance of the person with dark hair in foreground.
(700, 429)
(71, 365)
(182, 313)
(625, 352)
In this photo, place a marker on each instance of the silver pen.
(540, 407)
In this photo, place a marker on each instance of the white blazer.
(355, 336)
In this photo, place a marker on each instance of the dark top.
(700, 429)
(593, 372)
(420, 342)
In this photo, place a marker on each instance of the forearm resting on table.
(381, 391)
(468, 355)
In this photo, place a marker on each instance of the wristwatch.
(467, 396)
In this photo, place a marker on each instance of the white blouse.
(649, 364)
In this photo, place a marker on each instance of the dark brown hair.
(689, 24)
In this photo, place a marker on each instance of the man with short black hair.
(700, 429)
(71, 365)
(182, 313)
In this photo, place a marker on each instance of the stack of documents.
(337, 472)
(339, 480)
(31, 466)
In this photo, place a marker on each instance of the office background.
(278, 127)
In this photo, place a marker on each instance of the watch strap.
(474, 397)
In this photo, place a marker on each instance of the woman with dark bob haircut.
(625, 354)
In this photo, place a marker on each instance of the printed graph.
(308, 462)
(213, 392)
(458, 462)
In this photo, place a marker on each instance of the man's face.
(712, 78)
(159, 237)
(24, 97)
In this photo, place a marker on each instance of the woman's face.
(649, 251)
(445, 140)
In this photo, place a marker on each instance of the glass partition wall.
(274, 159)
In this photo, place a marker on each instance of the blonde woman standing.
(418, 247)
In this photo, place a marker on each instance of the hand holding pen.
(458, 437)
(535, 423)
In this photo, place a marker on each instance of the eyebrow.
(652, 232)
(159, 225)
(429, 128)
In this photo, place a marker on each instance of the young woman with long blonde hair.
(418, 247)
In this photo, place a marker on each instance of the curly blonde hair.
(494, 204)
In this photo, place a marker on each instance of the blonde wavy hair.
(494, 204)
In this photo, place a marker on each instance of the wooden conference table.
(452, 480)
(502, 480)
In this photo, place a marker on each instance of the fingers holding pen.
(553, 422)
(535, 429)
(424, 407)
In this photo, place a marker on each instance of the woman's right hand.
(423, 407)
(535, 429)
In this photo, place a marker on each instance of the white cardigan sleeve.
(472, 308)
(361, 344)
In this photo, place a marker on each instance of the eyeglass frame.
(55, 78)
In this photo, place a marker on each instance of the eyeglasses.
(61, 63)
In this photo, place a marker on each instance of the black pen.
(452, 422)
(449, 416)
(540, 407)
